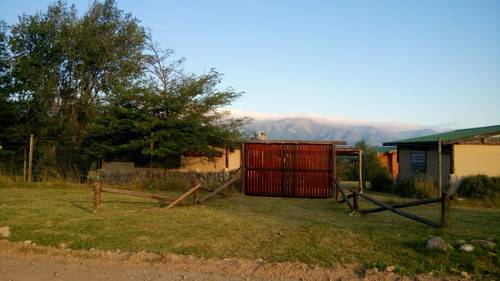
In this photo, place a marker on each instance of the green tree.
(8, 114)
(64, 66)
(188, 112)
(7, 107)
(372, 165)
(98, 79)
(169, 112)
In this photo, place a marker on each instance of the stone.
(467, 247)
(465, 275)
(63, 246)
(484, 244)
(5, 231)
(390, 268)
(437, 243)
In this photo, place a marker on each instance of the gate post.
(361, 176)
(445, 209)
(243, 177)
(97, 196)
(334, 171)
(355, 201)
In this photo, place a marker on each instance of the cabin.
(389, 158)
(191, 165)
(228, 159)
(188, 161)
(464, 152)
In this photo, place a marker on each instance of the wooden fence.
(354, 206)
(98, 189)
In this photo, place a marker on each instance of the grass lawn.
(313, 231)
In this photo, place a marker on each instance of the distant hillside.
(306, 129)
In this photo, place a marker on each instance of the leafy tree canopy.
(100, 81)
(7, 108)
(169, 112)
(63, 65)
(371, 161)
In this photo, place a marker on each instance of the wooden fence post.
(361, 170)
(440, 166)
(196, 197)
(445, 210)
(355, 202)
(196, 194)
(25, 171)
(335, 171)
(97, 196)
(243, 168)
(30, 160)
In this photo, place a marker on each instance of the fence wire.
(49, 163)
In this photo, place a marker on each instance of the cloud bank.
(331, 119)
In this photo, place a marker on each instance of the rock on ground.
(5, 231)
(467, 247)
(484, 243)
(22, 262)
(437, 243)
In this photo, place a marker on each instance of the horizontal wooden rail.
(139, 194)
(98, 189)
(404, 205)
(393, 209)
(178, 200)
(219, 189)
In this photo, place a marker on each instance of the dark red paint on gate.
(289, 169)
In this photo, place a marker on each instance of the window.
(418, 159)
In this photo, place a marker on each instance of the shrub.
(382, 182)
(418, 187)
(175, 184)
(480, 187)
(426, 188)
(347, 171)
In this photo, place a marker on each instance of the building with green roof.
(464, 153)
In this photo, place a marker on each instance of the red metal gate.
(289, 169)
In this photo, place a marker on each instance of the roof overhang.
(290, 142)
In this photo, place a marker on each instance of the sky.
(416, 63)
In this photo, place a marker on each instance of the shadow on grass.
(78, 204)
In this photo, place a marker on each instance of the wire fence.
(48, 163)
(62, 163)
(350, 167)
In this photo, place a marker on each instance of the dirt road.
(23, 261)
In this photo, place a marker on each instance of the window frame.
(418, 160)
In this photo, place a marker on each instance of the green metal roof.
(386, 149)
(450, 137)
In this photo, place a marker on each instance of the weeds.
(480, 187)
(418, 187)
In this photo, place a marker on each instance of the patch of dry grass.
(314, 231)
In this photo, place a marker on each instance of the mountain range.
(308, 129)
